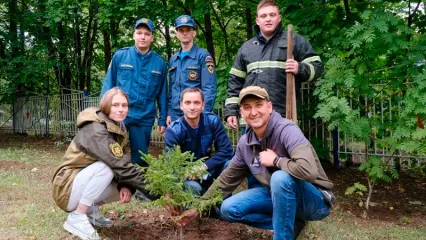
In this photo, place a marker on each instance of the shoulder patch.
(210, 67)
(209, 59)
(116, 149)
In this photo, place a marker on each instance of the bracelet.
(276, 159)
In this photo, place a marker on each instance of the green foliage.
(377, 169)
(357, 188)
(166, 176)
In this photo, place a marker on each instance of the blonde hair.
(265, 3)
(106, 100)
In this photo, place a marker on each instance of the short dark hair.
(191, 89)
(265, 3)
(106, 100)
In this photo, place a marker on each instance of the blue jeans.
(276, 209)
(139, 137)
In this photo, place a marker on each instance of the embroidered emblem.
(116, 149)
(256, 162)
(192, 75)
(144, 20)
(184, 20)
(209, 59)
(210, 67)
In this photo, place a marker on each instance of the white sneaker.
(79, 225)
(96, 218)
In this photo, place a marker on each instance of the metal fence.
(55, 115)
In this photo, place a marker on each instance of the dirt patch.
(402, 201)
(157, 225)
(10, 165)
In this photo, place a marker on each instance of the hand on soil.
(187, 217)
(125, 195)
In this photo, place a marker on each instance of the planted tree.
(166, 176)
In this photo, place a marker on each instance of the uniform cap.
(145, 22)
(184, 21)
(255, 91)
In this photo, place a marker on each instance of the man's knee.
(229, 210)
(281, 179)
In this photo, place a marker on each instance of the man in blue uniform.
(190, 67)
(197, 132)
(141, 73)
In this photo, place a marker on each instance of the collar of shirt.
(192, 53)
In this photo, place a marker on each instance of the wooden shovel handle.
(290, 108)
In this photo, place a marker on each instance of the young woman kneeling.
(95, 169)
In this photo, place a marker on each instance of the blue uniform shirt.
(143, 78)
(194, 70)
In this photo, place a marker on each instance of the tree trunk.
(209, 34)
(222, 27)
(249, 24)
(46, 36)
(167, 35)
(66, 74)
(78, 49)
(90, 55)
(107, 48)
(83, 63)
(2, 50)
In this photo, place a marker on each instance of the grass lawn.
(28, 211)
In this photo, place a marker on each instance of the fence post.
(46, 112)
(335, 137)
(13, 116)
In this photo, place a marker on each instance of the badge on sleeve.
(192, 75)
(116, 149)
(210, 67)
(209, 59)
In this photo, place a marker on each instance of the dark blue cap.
(145, 22)
(184, 21)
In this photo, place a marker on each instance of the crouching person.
(95, 170)
(295, 187)
(197, 131)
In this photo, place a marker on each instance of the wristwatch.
(276, 159)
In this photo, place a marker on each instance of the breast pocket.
(281, 54)
(125, 75)
(155, 82)
(193, 76)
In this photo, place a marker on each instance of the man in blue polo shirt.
(190, 67)
(141, 73)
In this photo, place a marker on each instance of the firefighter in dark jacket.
(262, 61)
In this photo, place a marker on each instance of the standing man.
(197, 132)
(295, 186)
(141, 73)
(190, 67)
(262, 61)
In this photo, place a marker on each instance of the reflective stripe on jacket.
(260, 62)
